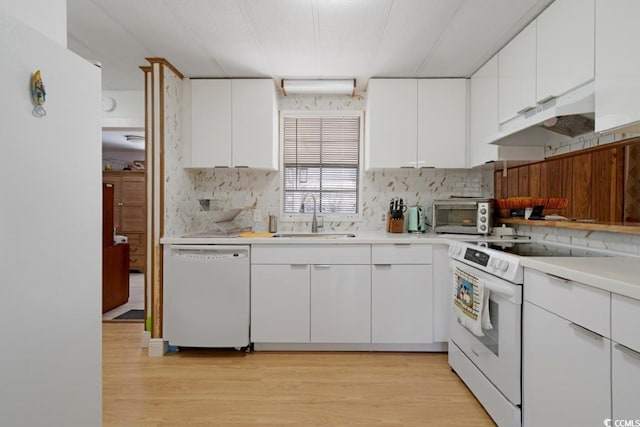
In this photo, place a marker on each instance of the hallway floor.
(136, 297)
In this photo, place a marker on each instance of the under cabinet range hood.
(552, 121)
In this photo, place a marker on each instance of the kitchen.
(239, 187)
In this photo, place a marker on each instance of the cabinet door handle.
(299, 265)
(558, 278)
(322, 266)
(524, 110)
(586, 331)
(546, 99)
(626, 350)
(402, 245)
(382, 265)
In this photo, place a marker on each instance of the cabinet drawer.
(625, 321)
(136, 243)
(409, 253)
(576, 302)
(311, 254)
(136, 262)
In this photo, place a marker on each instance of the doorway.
(123, 166)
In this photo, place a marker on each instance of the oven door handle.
(507, 291)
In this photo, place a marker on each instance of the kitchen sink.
(315, 235)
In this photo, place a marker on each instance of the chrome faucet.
(314, 221)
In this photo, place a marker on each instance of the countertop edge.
(364, 239)
(619, 275)
(575, 225)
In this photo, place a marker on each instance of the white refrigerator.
(50, 234)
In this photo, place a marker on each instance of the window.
(321, 158)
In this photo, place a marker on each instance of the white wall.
(50, 235)
(49, 17)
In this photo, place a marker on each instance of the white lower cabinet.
(625, 377)
(280, 303)
(402, 294)
(566, 352)
(625, 357)
(340, 303)
(399, 296)
(346, 294)
(566, 371)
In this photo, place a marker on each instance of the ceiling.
(294, 38)
(123, 140)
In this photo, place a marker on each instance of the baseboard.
(433, 347)
(157, 347)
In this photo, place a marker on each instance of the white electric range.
(489, 361)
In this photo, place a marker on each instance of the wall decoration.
(38, 94)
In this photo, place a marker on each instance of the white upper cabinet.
(565, 47)
(207, 123)
(517, 75)
(483, 120)
(416, 123)
(391, 131)
(230, 123)
(254, 118)
(617, 64)
(442, 123)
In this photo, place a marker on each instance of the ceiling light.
(319, 87)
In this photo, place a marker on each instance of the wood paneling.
(534, 180)
(512, 182)
(593, 181)
(581, 200)
(500, 184)
(567, 185)
(606, 178)
(554, 179)
(523, 180)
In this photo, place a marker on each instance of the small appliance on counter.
(463, 215)
(416, 219)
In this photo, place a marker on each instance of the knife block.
(395, 225)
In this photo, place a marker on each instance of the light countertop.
(379, 237)
(620, 275)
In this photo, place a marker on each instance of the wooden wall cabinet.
(130, 213)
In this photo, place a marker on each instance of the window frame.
(306, 217)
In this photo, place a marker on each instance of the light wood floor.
(215, 388)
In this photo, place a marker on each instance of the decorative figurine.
(38, 94)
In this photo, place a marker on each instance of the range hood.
(554, 121)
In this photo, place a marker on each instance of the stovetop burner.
(539, 249)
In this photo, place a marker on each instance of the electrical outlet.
(383, 217)
(257, 215)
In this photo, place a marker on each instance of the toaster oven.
(463, 216)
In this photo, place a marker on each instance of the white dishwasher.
(206, 295)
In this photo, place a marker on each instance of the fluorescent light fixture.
(318, 87)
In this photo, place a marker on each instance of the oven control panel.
(477, 257)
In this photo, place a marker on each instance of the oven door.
(497, 354)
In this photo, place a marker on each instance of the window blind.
(321, 158)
